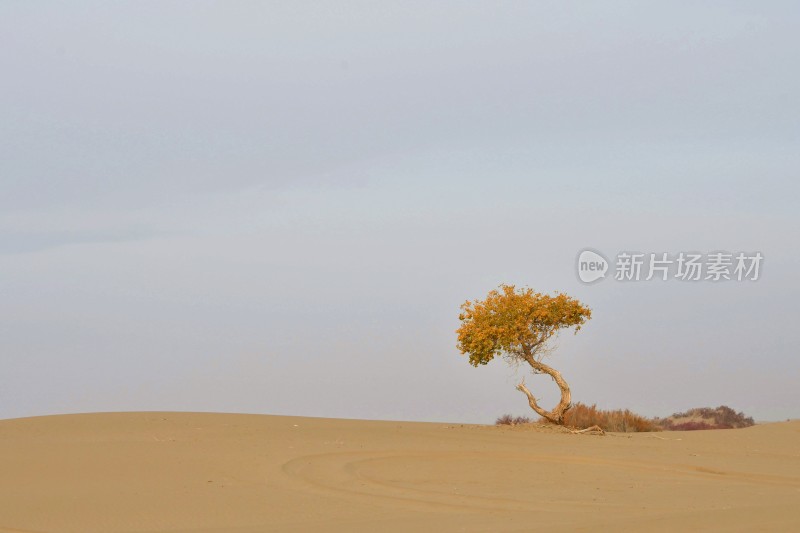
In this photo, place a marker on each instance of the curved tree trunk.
(556, 416)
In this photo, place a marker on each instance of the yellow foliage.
(515, 322)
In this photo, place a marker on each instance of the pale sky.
(279, 207)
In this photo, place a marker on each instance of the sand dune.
(199, 472)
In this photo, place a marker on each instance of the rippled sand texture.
(155, 472)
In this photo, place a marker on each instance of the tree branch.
(532, 400)
(597, 429)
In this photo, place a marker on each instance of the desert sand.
(202, 472)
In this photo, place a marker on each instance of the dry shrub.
(583, 416)
(508, 420)
(692, 426)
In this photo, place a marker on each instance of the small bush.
(508, 420)
(505, 420)
(723, 417)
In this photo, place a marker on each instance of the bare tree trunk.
(556, 416)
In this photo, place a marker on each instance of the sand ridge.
(206, 472)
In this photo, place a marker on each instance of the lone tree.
(517, 324)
